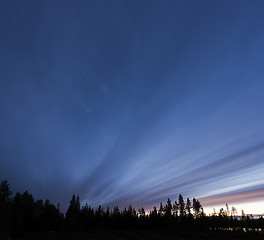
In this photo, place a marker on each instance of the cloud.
(256, 193)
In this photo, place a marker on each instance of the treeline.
(22, 213)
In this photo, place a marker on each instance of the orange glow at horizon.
(252, 202)
(253, 195)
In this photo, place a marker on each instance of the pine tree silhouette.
(181, 206)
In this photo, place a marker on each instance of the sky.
(133, 102)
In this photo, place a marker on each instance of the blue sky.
(133, 102)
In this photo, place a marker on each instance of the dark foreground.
(140, 235)
(23, 217)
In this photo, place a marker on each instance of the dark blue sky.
(133, 102)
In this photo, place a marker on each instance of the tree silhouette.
(5, 193)
(154, 212)
(141, 212)
(73, 213)
(233, 211)
(86, 218)
(188, 207)
(116, 211)
(243, 215)
(227, 210)
(22, 214)
(50, 217)
(5, 202)
(222, 212)
(182, 206)
(197, 207)
(161, 210)
(175, 209)
(168, 208)
(99, 212)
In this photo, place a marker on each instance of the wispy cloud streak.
(132, 102)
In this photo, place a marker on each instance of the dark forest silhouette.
(22, 213)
